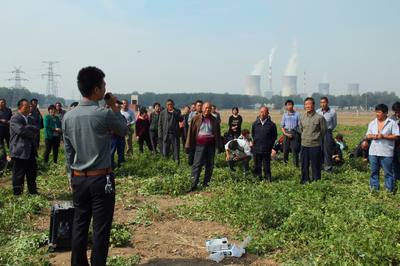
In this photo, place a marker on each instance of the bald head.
(264, 112)
(207, 109)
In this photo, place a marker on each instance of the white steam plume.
(258, 68)
(291, 69)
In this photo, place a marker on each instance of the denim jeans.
(376, 163)
(117, 145)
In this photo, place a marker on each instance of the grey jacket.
(163, 123)
(22, 137)
(313, 129)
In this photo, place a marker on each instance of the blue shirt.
(330, 117)
(290, 121)
(383, 147)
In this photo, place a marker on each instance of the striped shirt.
(290, 121)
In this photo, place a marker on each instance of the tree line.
(222, 101)
(226, 101)
(12, 96)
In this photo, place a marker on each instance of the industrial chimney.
(289, 86)
(253, 87)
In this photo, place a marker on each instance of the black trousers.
(90, 200)
(203, 156)
(328, 146)
(262, 160)
(313, 155)
(51, 145)
(142, 140)
(171, 141)
(245, 163)
(22, 168)
(292, 145)
(154, 139)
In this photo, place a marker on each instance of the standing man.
(154, 116)
(60, 111)
(37, 118)
(290, 128)
(168, 129)
(23, 149)
(87, 150)
(5, 116)
(328, 143)
(198, 109)
(204, 137)
(396, 155)
(215, 113)
(383, 132)
(130, 121)
(264, 135)
(313, 129)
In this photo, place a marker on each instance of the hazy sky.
(207, 46)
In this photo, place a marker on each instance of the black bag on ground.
(61, 220)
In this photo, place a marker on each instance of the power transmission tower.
(17, 77)
(52, 88)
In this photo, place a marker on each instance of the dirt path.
(169, 240)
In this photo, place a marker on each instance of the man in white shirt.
(130, 121)
(383, 132)
(238, 150)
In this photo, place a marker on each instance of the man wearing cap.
(87, 139)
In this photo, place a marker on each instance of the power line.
(17, 72)
(52, 86)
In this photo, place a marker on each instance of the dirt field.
(344, 117)
(168, 240)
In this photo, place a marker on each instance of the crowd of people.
(93, 133)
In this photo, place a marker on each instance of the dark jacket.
(142, 127)
(37, 118)
(264, 136)
(22, 137)
(6, 114)
(194, 128)
(163, 123)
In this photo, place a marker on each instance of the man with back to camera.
(328, 143)
(87, 144)
(313, 129)
(383, 132)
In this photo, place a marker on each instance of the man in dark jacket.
(5, 116)
(203, 138)
(37, 118)
(168, 129)
(23, 149)
(264, 135)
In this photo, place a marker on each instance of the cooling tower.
(353, 89)
(289, 86)
(253, 85)
(323, 88)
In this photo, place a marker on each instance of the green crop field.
(335, 221)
